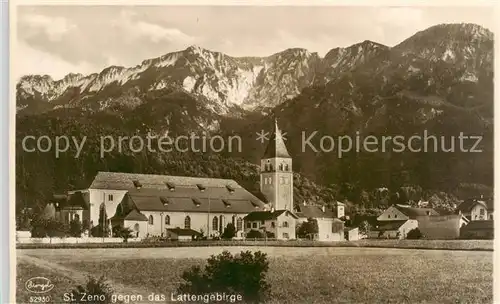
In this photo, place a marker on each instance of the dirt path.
(81, 277)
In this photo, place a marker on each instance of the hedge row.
(421, 244)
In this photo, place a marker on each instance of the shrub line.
(240, 243)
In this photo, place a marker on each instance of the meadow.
(301, 275)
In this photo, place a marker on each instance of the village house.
(330, 227)
(397, 220)
(477, 209)
(280, 224)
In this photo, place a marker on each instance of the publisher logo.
(38, 285)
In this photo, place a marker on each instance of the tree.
(229, 232)
(308, 229)
(123, 232)
(102, 228)
(75, 228)
(414, 234)
(42, 227)
(242, 274)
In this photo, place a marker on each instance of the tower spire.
(276, 146)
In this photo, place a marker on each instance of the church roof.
(127, 181)
(276, 146)
(190, 199)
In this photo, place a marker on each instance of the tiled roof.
(391, 225)
(276, 146)
(266, 215)
(184, 232)
(72, 200)
(467, 205)
(188, 199)
(135, 215)
(313, 211)
(412, 212)
(125, 181)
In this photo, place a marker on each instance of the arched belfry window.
(151, 221)
(281, 167)
(286, 167)
(187, 222)
(167, 220)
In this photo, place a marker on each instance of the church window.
(239, 224)
(215, 224)
(285, 224)
(286, 167)
(136, 227)
(110, 197)
(167, 220)
(254, 225)
(151, 220)
(187, 222)
(281, 167)
(272, 169)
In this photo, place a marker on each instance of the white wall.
(198, 222)
(98, 196)
(476, 213)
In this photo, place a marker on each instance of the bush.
(414, 234)
(96, 288)
(75, 228)
(255, 234)
(42, 227)
(229, 232)
(242, 274)
(122, 232)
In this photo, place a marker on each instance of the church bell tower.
(276, 175)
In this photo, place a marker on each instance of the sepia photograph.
(252, 153)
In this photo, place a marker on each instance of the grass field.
(298, 275)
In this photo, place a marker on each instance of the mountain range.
(439, 80)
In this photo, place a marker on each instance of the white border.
(10, 102)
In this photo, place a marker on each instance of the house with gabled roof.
(477, 209)
(152, 204)
(279, 224)
(330, 227)
(397, 220)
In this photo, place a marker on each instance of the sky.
(57, 40)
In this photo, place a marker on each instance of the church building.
(156, 205)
